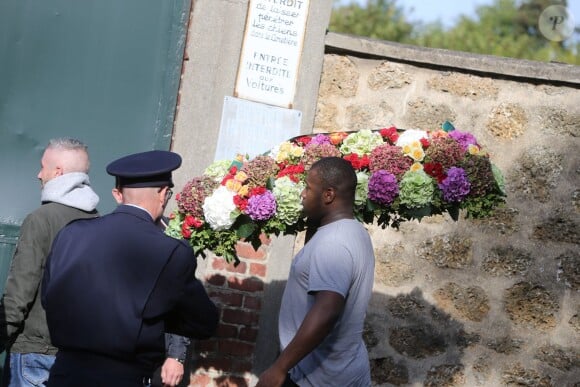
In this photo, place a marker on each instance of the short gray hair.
(75, 157)
(67, 143)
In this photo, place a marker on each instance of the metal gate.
(104, 71)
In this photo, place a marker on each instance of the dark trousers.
(288, 382)
(74, 369)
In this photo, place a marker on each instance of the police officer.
(114, 285)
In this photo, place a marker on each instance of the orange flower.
(337, 137)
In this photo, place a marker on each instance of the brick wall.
(228, 358)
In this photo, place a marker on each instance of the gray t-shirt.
(339, 258)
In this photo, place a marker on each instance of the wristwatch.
(178, 359)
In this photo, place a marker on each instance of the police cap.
(145, 169)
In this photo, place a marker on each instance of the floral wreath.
(401, 175)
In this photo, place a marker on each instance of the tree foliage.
(505, 28)
(379, 19)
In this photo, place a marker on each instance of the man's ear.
(117, 195)
(58, 171)
(328, 195)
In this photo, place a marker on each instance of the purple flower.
(383, 188)
(320, 139)
(463, 138)
(455, 186)
(261, 207)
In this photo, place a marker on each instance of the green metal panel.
(8, 240)
(104, 71)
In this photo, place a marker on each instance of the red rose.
(435, 170)
(257, 191)
(364, 161)
(304, 140)
(240, 202)
(356, 161)
(185, 231)
(294, 178)
(291, 171)
(390, 134)
(425, 143)
(191, 221)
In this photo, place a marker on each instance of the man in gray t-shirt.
(328, 290)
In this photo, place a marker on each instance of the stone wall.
(474, 302)
(470, 303)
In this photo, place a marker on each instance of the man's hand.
(171, 372)
(272, 377)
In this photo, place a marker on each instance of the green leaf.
(245, 230)
(454, 212)
(256, 242)
(231, 257)
(419, 213)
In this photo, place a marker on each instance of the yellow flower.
(281, 156)
(473, 149)
(241, 176)
(283, 151)
(417, 154)
(416, 167)
(233, 185)
(285, 146)
(287, 150)
(244, 190)
(296, 151)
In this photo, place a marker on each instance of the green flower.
(362, 142)
(499, 179)
(417, 189)
(218, 169)
(288, 200)
(362, 188)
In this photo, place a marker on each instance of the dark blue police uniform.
(114, 285)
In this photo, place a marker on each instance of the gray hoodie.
(22, 318)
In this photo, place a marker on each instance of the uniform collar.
(135, 210)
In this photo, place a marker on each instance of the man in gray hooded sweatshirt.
(66, 196)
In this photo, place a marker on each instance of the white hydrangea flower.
(410, 135)
(219, 209)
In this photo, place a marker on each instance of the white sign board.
(254, 128)
(271, 50)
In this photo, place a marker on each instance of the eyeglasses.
(168, 193)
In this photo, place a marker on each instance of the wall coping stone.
(523, 70)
